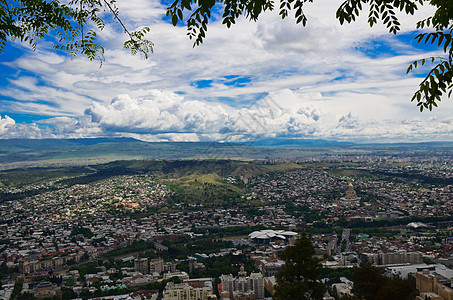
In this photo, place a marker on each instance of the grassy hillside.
(194, 182)
(206, 190)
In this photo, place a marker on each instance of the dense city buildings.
(433, 286)
(138, 235)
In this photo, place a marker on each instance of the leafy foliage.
(439, 80)
(29, 20)
(136, 246)
(383, 10)
(298, 278)
(86, 232)
(87, 268)
(349, 10)
(228, 264)
(371, 284)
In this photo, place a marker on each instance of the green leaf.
(174, 19)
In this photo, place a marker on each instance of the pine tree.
(298, 278)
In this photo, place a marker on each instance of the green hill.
(193, 181)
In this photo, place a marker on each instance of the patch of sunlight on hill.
(284, 167)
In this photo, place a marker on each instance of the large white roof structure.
(417, 225)
(269, 234)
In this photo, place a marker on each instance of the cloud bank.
(167, 116)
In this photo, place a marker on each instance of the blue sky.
(269, 79)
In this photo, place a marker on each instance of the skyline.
(269, 79)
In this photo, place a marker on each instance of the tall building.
(242, 287)
(156, 265)
(141, 265)
(241, 284)
(227, 282)
(184, 291)
(256, 282)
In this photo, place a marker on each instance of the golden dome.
(350, 184)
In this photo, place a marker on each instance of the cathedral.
(350, 194)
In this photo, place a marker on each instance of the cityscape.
(227, 150)
(189, 233)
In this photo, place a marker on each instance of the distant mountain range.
(51, 144)
(26, 153)
(301, 142)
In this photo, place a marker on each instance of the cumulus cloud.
(6, 123)
(285, 34)
(168, 116)
(348, 121)
(10, 129)
(159, 112)
(163, 112)
(59, 127)
(140, 11)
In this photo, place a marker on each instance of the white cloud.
(140, 11)
(317, 80)
(10, 129)
(166, 116)
(348, 121)
(59, 127)
(159, 112)
(6, 123)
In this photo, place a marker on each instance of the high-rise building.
(141, 265)
(156, 265)
(256, 284)
(227, 282)
(242, 287)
